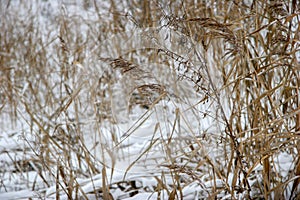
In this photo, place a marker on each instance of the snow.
(148, 196)
(21, 194)
(173, 127)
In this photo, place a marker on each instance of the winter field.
(122, 99)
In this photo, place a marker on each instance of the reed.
(229, 66)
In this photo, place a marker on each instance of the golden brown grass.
(240, 59)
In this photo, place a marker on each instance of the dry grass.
(239, 60)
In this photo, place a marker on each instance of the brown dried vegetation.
(239, 57)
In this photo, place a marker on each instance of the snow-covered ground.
(171, 147)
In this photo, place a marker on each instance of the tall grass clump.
(199, 98)
(249, 55)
